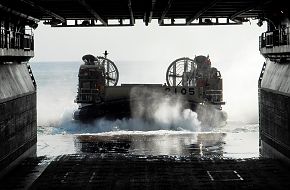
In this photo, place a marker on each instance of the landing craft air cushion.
(193, 81)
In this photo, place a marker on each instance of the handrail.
(87, 95)
(16, 40)
(275, 38)
(88, 91)
(214, 96)
(213, 92)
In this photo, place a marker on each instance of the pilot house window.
(86, 85)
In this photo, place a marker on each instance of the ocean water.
(59, 134)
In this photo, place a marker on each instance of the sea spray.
(210, 116)
(164, 111)
(151, 110)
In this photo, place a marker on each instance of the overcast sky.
(143, 53)
(140, 42)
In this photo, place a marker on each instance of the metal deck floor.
(120, 171)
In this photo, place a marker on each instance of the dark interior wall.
(17, 112)
(274, 110)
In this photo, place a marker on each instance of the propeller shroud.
(110, 70)
(181, 72)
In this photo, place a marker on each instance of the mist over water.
(166, 111)
(57, 89)
(151, 111)
(168, 128)
(143, 57)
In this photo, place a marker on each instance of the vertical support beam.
(42, 9)
(16, 13)
(132, 20)
(93, 12)
(149, 12)
(235, 15)
(184, 76)
(253, 6)
(108, 69)
(201, 11)
(174, 74)
(160, 20)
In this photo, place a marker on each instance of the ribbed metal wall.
(17, 113)
(274, 111)
(275, 121)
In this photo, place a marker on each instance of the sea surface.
(59, 134)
